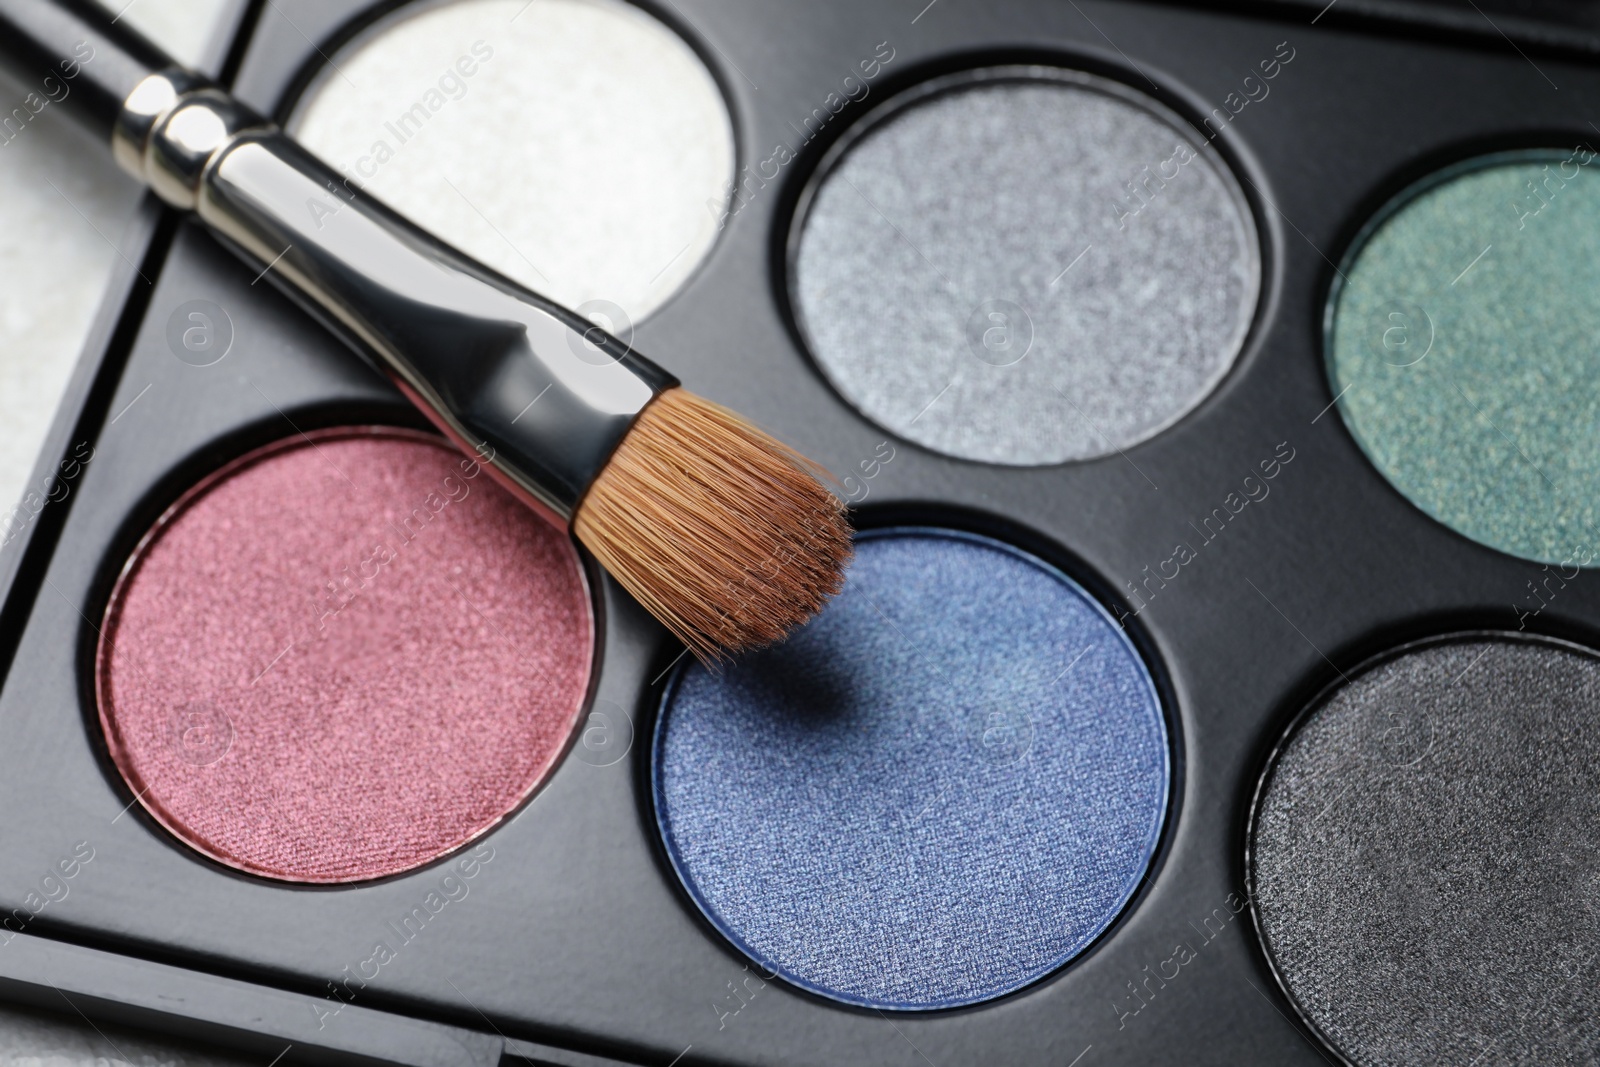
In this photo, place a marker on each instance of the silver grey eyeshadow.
(1010, 196)
(1425, 858)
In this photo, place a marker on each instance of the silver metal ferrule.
(541, 395)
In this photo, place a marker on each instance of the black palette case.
(576, 944)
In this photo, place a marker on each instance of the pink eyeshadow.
(343, 657)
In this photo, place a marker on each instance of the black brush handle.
(77, 48)
(538, 393)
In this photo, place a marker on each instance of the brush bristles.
(725, 535)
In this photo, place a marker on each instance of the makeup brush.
(724, 534)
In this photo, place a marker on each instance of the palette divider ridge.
(82, 408)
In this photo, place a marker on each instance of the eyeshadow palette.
(1215, 680)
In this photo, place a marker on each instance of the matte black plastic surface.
(575, 934)
(1571, 26)
(250, 1018)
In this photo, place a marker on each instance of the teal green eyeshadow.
(1462, 338)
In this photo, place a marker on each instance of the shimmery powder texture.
(940, 790)
(339, 661)
(578, 146)
(1026, 271)
(1463, 345)
(1426, 858)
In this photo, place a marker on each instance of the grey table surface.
(30, 1038)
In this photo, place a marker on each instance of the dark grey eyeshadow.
(1425, 858)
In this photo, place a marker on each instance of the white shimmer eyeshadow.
(977, 273)
(588, 155)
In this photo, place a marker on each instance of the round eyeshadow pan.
(1460, 342)
(961, 715)
(343, 656)
(1425, 856)
(580, 147)
(1025, 266)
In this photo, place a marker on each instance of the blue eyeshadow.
(943, 788)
